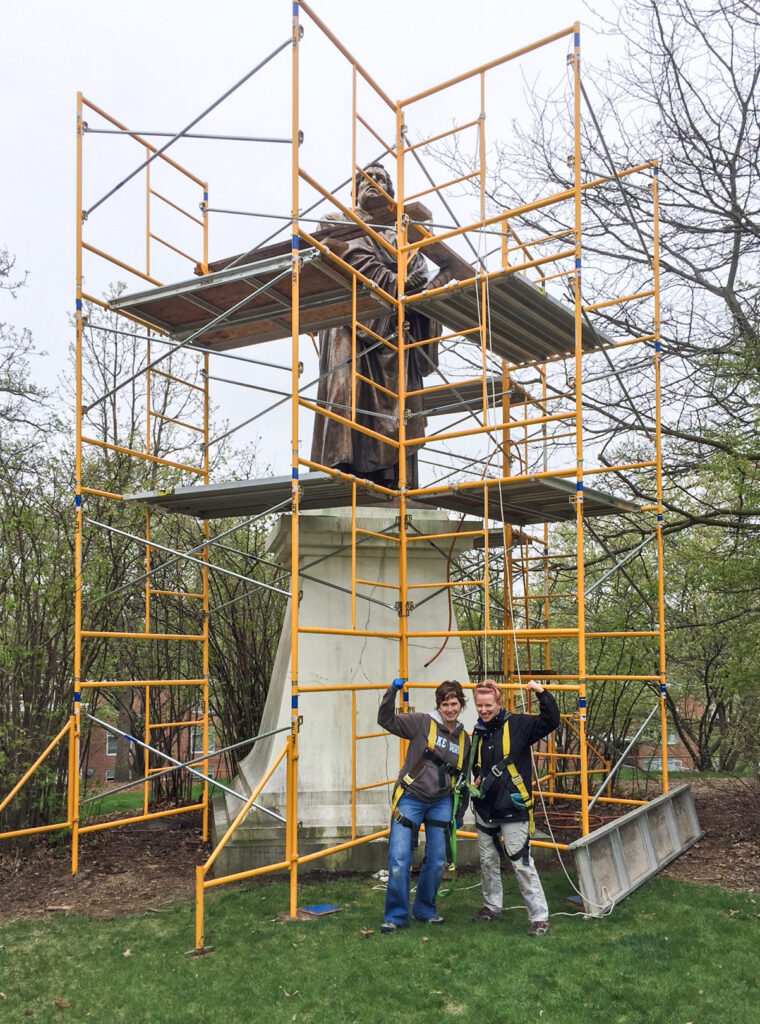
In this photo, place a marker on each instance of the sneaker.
(430, 920)
(538, 928)
(484, 914)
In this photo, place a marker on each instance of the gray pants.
(515, 835)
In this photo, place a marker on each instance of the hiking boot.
(538, 928)
(484, 914)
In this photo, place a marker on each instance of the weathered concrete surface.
(325, 765)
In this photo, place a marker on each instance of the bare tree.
(684, 91)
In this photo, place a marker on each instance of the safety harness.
(494, 831)
(479, 792)
(444, 768)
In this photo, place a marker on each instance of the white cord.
(608, 906)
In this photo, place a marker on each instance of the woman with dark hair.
(437, 755)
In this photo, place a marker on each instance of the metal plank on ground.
(619, 857)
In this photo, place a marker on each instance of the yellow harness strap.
(517, 779)
(405, 782)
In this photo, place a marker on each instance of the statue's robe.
(336, 444)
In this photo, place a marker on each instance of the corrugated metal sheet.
(526, 325)
(517, 502)
(252, 497)
(522, 502)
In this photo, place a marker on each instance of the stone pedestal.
(326, 764)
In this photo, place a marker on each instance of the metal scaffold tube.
(291, 838)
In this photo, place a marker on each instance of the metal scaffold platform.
(520, 502)
(526, 324)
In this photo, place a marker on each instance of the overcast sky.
(156, 65)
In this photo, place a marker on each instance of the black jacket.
(524, 730)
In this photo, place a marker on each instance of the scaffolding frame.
(512, 437)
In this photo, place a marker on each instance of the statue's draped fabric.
(336, 444)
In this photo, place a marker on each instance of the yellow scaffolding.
(511, 438)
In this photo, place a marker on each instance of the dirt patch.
(729, 852)
(151, 865)
(138, 867)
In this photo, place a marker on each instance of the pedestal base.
(336, 722)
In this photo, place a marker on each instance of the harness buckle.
(497, 772)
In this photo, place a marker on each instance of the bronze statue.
(337, 444)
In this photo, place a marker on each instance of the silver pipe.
(179, 554)
(183, 344)
(184, 135)
(622, 758)
(275, 405)
(289, 217)
(619, 565)
(196, 348)
(198, 547)
(186, 129)
(314, 205)
(245, 384)
(185, 764)
(179, 764)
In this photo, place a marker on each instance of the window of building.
(196, 740)
(110, 774)
(111, 739)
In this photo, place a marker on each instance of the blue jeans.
(400, 860)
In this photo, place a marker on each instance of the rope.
(606, 907)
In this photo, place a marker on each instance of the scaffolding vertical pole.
(206, 480)
(353, 138)
(205, 601)
(353, 761)
(484, 357)
(206, 534)
(483, 306)
(354, 315)
(70, 771)
(75, 731)
(580, 587)
(199, 894)
(204, 215)
(148, 407)
(401, 255)
(508, 649)
(551, 739)
(658, 473)
(352, 414)
(486, 576)
(291, 813)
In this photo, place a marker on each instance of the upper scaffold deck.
(243, 301)
(519, 502)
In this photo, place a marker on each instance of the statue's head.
(364, 189)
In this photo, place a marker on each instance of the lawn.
(672, 953)
(133, 801)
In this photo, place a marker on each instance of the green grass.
(670, 954)
(130, 801)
